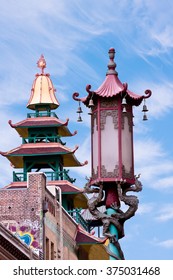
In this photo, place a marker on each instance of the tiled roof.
(112, 86)
(39, 121)
(39, 148)
(42, 149)
(22, 126)
(66, 186)
(83, 237)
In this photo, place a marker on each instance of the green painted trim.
(70, 192)
(38, 159)
(51, 176)
(45, 113)
(113, 230)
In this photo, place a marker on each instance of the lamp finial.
(111, 65)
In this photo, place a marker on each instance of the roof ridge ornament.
(41, 63)
(111, 64)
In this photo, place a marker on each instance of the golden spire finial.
(41, 63)
(43, 92)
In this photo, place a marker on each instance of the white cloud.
(161, 100)
(6, 173)
(81, 23)
(166, 244)
(153, 19)
(27, 30)
(165, 38)
(147, 151)
(9, 136)
(165, 182)
(154, 163)
(165, 214)
(8, 140)
(30, 27)
(156, 174)
(145, 208)
(83, 154)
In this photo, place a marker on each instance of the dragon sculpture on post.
(118, 219)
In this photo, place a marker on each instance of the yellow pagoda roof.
(15, 156)
(22, 126)
(95, 247)
(43, 91)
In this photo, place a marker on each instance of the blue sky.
(75, 37)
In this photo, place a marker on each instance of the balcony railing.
(75, 213)
(42, 114)
(51, 176)
(45, 139)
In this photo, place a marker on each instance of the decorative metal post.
(111, 110)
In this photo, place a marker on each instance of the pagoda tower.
(42, 192)
(42, 147)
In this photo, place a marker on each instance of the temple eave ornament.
(133, 97)
(84, 163)
(11, 124)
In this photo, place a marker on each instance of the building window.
(47, 248)
(52, 251)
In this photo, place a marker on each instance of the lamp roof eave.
(112, 87)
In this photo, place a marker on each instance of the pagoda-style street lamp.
(111, 110)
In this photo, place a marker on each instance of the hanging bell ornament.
(79, 119)
(124, 110)
(145, 109)
(91, 103)
(90, 112)
(124, 102)
(145, 117)
(79, 110)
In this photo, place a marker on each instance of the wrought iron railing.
(18, 177)
(45, 139)
(51, 176)
(76, 215)
(42, 114)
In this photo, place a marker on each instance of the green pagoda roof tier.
(16, 156)
(39, 122)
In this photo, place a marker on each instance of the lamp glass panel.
(109, 145)
(127, 159)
